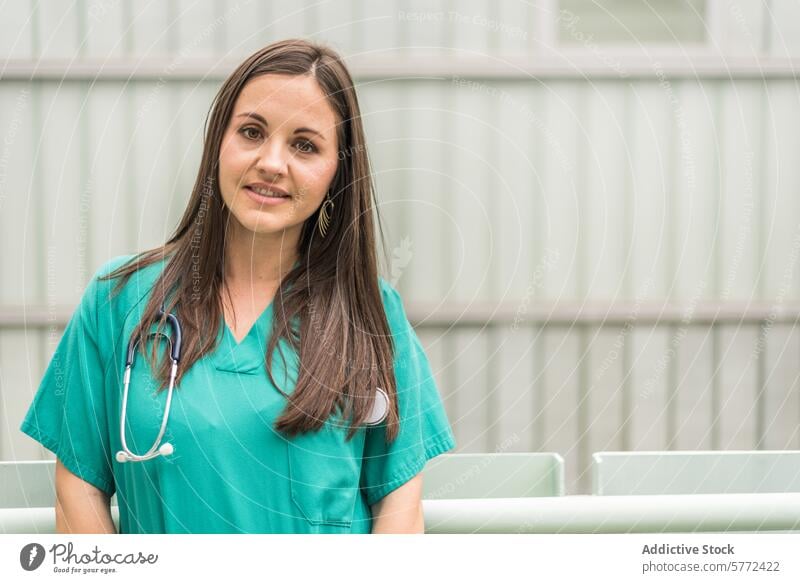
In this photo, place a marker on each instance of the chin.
(265, 225)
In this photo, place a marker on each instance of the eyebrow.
(260, 118)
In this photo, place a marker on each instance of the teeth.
(263, 192)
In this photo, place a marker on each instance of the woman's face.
(278, 154)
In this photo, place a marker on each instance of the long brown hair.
(328, 308)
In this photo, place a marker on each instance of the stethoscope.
(380, 408)
(158, 448)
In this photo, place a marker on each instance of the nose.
(272, 158)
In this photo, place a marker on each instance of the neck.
(253, 260)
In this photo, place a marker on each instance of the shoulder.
(110, 295)
(392, 302)
(401, 329)
(387, 291)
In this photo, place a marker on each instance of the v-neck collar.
(246, 356)
(253, 327)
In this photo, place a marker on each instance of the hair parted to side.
(328, 308)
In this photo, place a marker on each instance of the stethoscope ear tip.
(166, 449)
(122, 457)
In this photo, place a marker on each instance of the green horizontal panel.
(631, 22)
(499, 475)
(707, 472)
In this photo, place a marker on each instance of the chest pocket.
(324, 471)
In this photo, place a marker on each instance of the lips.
(265, 200)
(267, 190)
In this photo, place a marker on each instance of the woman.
(304, 401)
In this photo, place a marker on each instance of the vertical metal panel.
(515, 120)
(19, 235)
(559, 189)
(694, 390)
(16, 30)
(106, 29)
(19, 377)
(107, 148)
(85, 243)
(470, 37)
(248, 26)
(471, 421)
(58, 24)
(511, 26)
(472, 194)
(537, 387)
(740, 26)
(433, 343)
(194, 103)
(737, 410)
(721, 148)
(694, 187)
(196, 28)
(607, 161)
(20, 238)
(582, 148)
(63, 245)
(649, 142)
(450, 388)
(785, 28)
(780, 194)
(671, 373)
(335, 26)
(382, 125)
(650, 358)
(380, 27)
(151, 162)
(781, 422)
(560, 399)
(151, 28)
(417, 251)
(604, 392)
(400, 166)
(491, 333)
(515, 401)
(289, 18)
(738, 230)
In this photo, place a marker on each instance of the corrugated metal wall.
(598, 241)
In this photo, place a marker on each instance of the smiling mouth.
(266, 193)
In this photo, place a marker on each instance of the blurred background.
(592, 207)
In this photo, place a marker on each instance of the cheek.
(232, 163)
(315, 179)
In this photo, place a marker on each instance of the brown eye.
(249, 132)
(306, 147)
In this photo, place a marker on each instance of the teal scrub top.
(230, 472)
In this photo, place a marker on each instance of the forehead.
(287, 99)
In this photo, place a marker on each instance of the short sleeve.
(424, 428)
(68, 413)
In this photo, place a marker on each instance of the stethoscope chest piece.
(380, 408)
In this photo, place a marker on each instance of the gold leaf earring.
(324, 220)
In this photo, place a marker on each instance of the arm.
(80, 507)
(400, 511)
